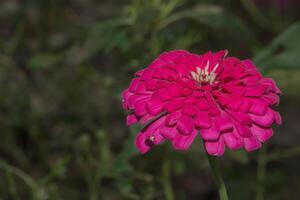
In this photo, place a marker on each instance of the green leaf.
(108, 35)
(44, 60)
(283, 52)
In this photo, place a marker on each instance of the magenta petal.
(242, 130)
(154, 106)
(239, 116)
(202, 120)
(134, 99)
(265, 120)
(262, 134)
(210, 134)
(140, 108)
(168, 132)
(131, 119)
(140, 143)
(174, 91)
(277, 118)
(164, 94)
(189, 110)
(173, 105)
(150, 85)
(183, 142)
(246, 105)
(271, 98)
(232, 140)
(134, 84)
(251, 144)
(202, 104)
(172, 118)
(258, 107)
(223, 122)
(257, 91)
(146, 118)
(185, 124)
(215, 148)
(235, 104)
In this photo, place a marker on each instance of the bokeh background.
(64, 63)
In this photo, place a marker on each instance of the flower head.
(180, 94)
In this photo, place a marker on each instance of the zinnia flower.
(224, 99)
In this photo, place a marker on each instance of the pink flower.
(181, 94)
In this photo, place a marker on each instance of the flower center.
(203, 76)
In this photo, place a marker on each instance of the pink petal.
(243, 130)
(150, 85)
(185, 124)
(173, 105)
(265, 120)
(271, 98)
(236, 90)
(186, 92)
(190, 100)
(202, 104)
(251, 144)
(141, 89)
(131, 119)
(257, 91)
(141, 144)
(271, 85)
(245, 107)
(140, 108)
(134, 84)
(134, 99)
(183, 142)
(149, 135)
(239, 116)
(168, 132)
(189, 110)
(249, 64)
(262, 134)
(174, 91)
(235, 104)
(172, 118)
(202, 120)
(146, 118)
(215, 148)
(277, 118)
(154, 106)
(232, 140)
(164, 94)
(223, 122)
(259, 107)
(140, 72)
(210, 134)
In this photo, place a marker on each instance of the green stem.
(217, 177)
(166, 178)
(261, 174)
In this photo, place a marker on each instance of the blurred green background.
(63, 65)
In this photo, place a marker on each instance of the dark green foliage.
(63, 65)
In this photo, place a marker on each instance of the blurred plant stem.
(282, 154)
(261, 173)
(36, 190)
(11, 186)
(166, 176)
(217, 177)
